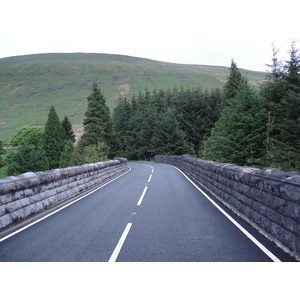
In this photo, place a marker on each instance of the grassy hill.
(30, 84)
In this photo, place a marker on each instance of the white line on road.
(250, 236)
(118, 248)
(54, 212)
(142, 196)
(150, 178)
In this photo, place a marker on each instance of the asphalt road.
(153, 213)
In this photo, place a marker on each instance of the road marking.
(118, 248)
(249, 235)
(142, 196)
(150, 178)
(54, 212)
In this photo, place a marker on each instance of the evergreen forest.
(239, 124)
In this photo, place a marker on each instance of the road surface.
(151, 214)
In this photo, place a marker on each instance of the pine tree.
(69, 133)
(66, 156)
(281, 93)
(196, 113)
(97, 123)
(26, 158)
(168, 138)
(53, 139)
(238, 136)
(121, 116)
(232, 85)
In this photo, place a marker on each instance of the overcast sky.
(210, 32)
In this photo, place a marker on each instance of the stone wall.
(268, 199)
(25, 195)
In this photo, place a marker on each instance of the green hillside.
(30, 84)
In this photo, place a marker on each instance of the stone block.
(272, 186)
(274, 216)
(291, 225)
(12, 206)
(39, 206)
(261, 209)
(46, 203)
(28, 180)
(292, 210)
(35, 198)
(30, 209)
(5, 198)
(290, 192)
(5, 220)
(19, 194)
(3, 210)
(7, 185)
(255, 217)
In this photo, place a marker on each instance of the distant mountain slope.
(30, 84)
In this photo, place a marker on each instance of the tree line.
(165, 122)
(239, 124)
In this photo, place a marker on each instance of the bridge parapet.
(26, 195)
(268, 199)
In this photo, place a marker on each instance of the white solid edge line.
(142, 196)
(118, 248)
(54, 212)
(250, 236)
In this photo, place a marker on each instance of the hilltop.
(30, 84)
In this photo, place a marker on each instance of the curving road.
(152, 213)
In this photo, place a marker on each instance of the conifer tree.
(97, 123)
(66, 156)
(281, 93)
(168, 138)
(121, 115)
(238, 135)
(53, 139)
(26, 158)
(232, 85)
(69, 133)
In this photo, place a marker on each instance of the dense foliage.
(281, 94)
(238, 136)
(26, 153)
(165, 122)
(260, 129)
